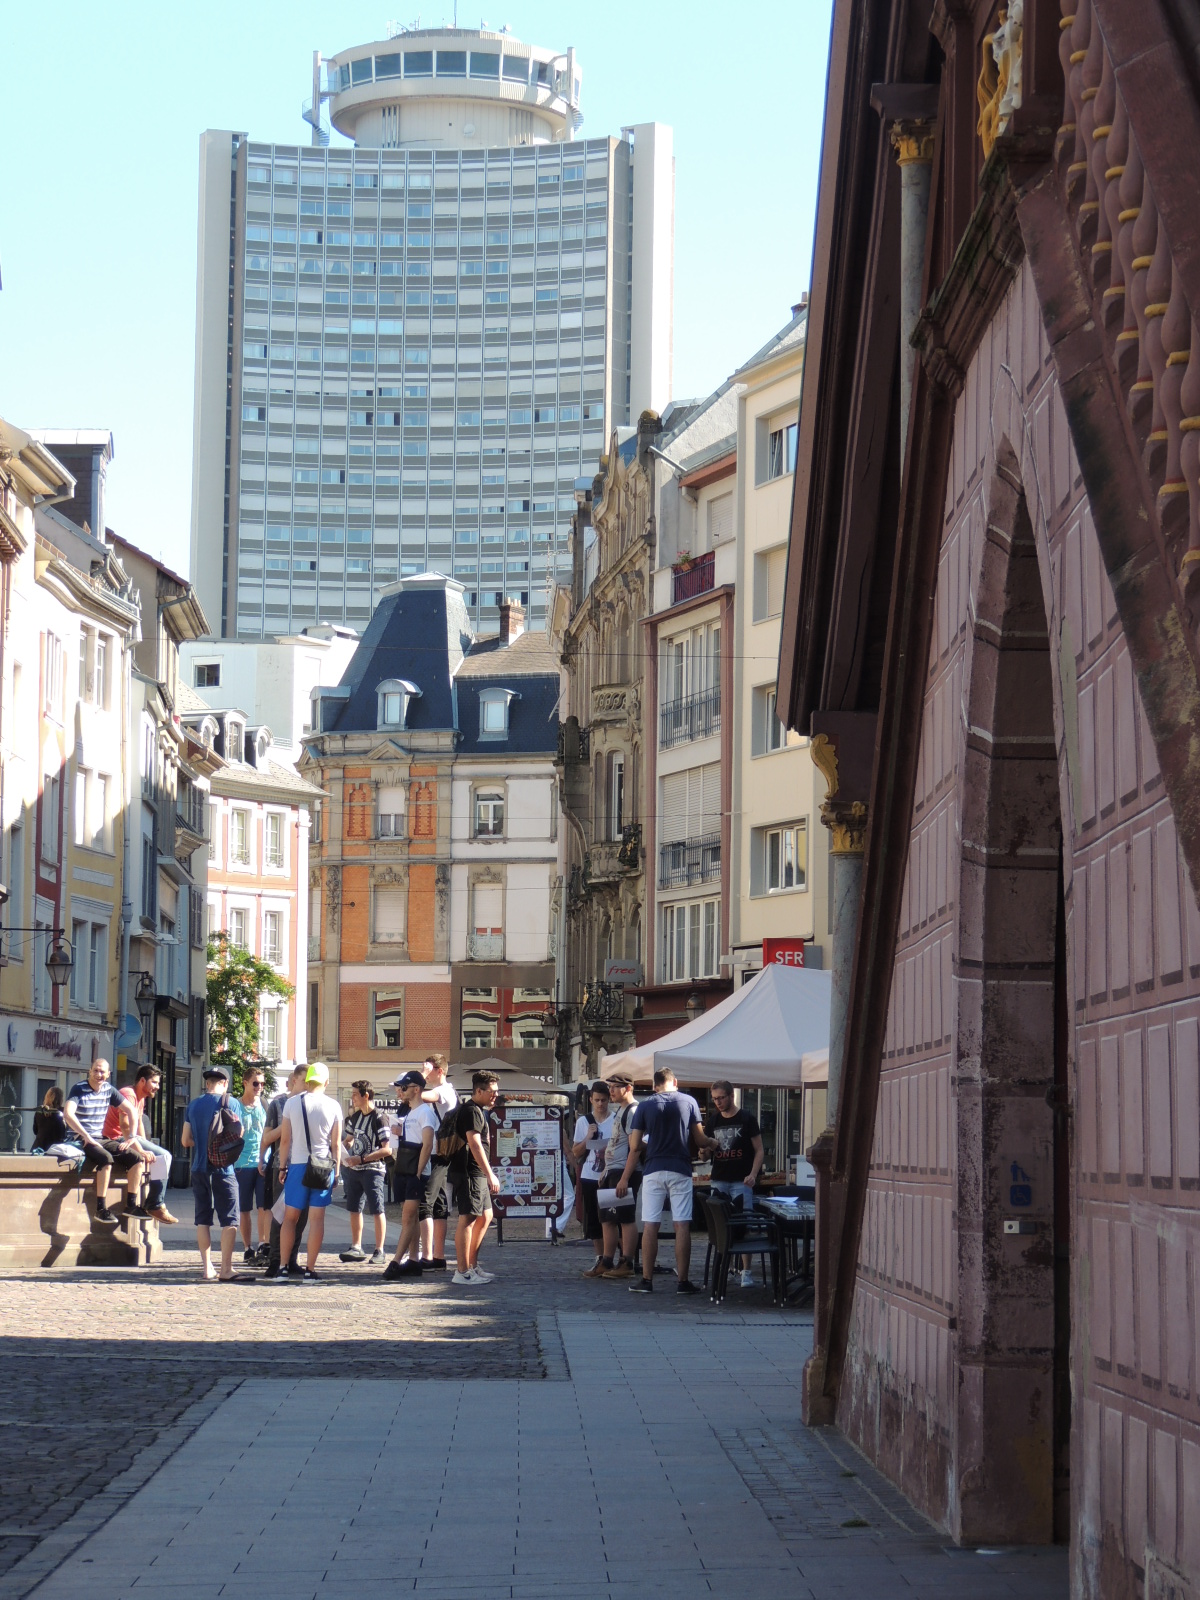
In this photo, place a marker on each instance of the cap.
(215, 1071)
(409, 1079)
(317, 1072)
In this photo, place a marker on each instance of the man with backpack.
(623, 1216)
(442, 1098)
(211, 1132)
(474, 1180)
(416, 1126)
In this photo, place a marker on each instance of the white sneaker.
(481, 1276)
(467, 1278)
(747, 1278)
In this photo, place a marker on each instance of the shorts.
(365, 1188)
(252, 1188)
(626, 1210)
(435, 1203)
(663, 1188)
(735, 1192)
(588, 1189)
(216, 1191)
(296, 1195)
(472, 1197)
(408, 1187)
(108, 1153)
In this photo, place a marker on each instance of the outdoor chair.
(741, 1222)
(729, 1236)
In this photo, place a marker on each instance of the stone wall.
(941, 1292)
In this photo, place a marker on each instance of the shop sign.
(783, 952)
(622, 972)
(50, 1042)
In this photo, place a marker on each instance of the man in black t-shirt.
(473, 1178)
(364, 1174)
(738, 1158)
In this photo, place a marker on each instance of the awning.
(773, 1032)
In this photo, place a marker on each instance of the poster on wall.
(526, 1153)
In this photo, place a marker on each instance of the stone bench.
(47, 1219)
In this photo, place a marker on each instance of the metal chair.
(729, 1238)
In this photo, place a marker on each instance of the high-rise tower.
(409, 347)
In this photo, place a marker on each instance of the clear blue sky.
(101, 116)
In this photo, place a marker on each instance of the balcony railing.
(689, 861)
(603, 1007)
(485, 947)
(695, 716)
(696, 578)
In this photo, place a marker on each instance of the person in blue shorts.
(312, 1126)
(214, 1189)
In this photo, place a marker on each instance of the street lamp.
(146, 996)
(58, 952)
(550, 1025)
(695, 1006)
(58, 961)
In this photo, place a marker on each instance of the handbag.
(408, 1155)
(318, 1174)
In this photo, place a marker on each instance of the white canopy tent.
(772, 1032)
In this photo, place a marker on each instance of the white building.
(407, 346)
(269, 680)
(781, 849)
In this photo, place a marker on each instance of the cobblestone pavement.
(614, 1434)
(98, 1362)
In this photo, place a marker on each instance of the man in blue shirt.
(214, 1189)
(667, 1122)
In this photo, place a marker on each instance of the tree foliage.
(237, 981)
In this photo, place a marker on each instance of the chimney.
(512, 621)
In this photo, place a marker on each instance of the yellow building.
(69, 623)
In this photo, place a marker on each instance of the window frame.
(496, 799)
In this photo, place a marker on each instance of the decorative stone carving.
(847, 823)
(333, 897)
(358, 812)
(999, 88)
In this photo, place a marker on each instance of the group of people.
(284, 1161)
(625, 1146)
(296, 1151)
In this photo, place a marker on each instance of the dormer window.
(395, 696)
(209, 729)
(235, 740)
(493, 713)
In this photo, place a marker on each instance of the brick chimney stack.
(512, 621)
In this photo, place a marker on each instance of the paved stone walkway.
(549, 1437)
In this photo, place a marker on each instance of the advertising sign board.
(526, 1153)
(784, 952)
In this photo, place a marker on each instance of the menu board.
(526, 1153)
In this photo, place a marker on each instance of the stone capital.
(847, 823)
(912, 140)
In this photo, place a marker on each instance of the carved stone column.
(847, 822)
(912, 140)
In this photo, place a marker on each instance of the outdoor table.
(794, 1221)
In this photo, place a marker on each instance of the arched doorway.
(1012, 1035)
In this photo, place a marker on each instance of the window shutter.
(391, 812)
(674, 819)
(710, 800)
(389, 915)
(489, 908)
(776, 577)
(720, 518)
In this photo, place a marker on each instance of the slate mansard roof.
(420, 635)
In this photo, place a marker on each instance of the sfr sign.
(783, 952)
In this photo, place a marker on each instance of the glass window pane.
(418, 63)
(387, 66)
(452, 63)
(360, 71)
(484, 64)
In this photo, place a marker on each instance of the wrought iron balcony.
(603, 1007)
(694, 716)
(630, 853)
(688, 861)
(696, 578)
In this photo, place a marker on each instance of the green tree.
(236, 982)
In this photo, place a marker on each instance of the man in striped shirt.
(86, 1107)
